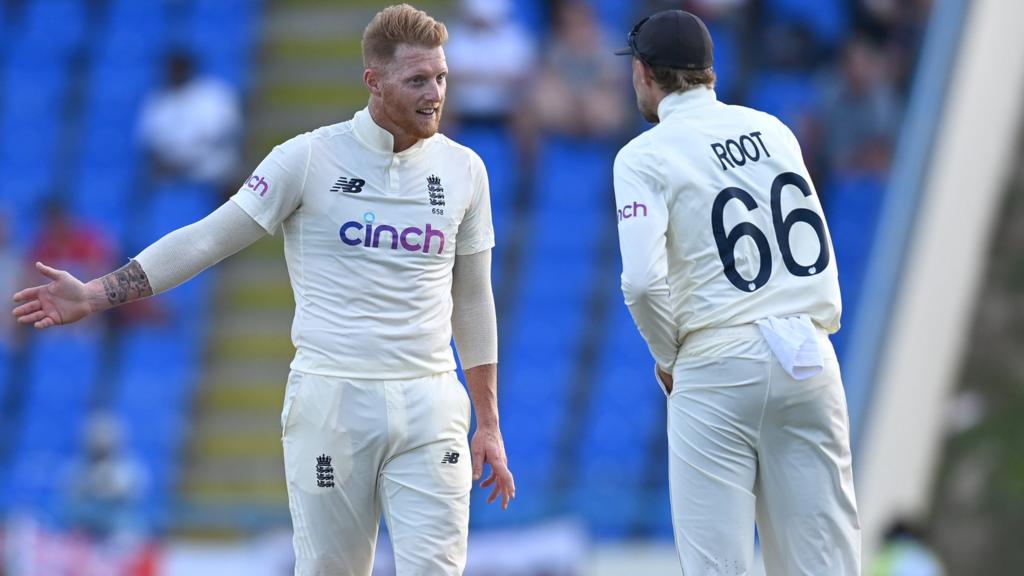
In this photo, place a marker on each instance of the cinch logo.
(258, 184)
(632, 211)
(412, 239)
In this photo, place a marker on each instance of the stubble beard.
(647, 110)
(648, 114)
(424, 131)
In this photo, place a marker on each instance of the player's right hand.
(61, 301)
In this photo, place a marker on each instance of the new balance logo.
(324, 472)
(350, 185)
(450, 458)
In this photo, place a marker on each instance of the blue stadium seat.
(826, 19)
(789, 96)
(63, 368)
(853, 206)
(62, 371)
(104, 200)
(119, 85)
(622, 419)
(157, 370)
(531, 16)
(135, 26)
(496, 148)
(54, 26)
(31, 155)
(171, 206)
(574, 175)
(204, 32)
(726, 59)
(6, 370)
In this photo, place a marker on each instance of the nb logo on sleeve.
(349, 185)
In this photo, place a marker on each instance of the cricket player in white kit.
(728, 271)
(387, 230)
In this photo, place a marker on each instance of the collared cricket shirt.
(370, 241)
(719, 224)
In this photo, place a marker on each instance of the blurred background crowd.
(121, 120)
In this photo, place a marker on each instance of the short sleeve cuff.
(473, 247)
(251, 206)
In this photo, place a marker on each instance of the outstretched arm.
(165, 264)
(474, 326)
(65, 299)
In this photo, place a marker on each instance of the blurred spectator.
(705, 9)
(904, 553)
(862, 111)
(489, 60)
(898, 25)
(582, 83)
(68, 244)
(105, 487)
(191, 127)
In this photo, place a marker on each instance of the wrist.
(96, 296)
(489, 422)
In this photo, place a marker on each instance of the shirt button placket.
(395, 165)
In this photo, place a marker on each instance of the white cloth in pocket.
(794, 340)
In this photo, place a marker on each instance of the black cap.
(673, 38)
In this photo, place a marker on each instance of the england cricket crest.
(436, 194)
(324, 472)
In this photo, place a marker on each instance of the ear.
(371, 78)
(643, 71)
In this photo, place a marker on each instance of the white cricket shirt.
(719, 224)
(370, 241)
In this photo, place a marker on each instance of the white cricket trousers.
(747, 441)
(354, 449)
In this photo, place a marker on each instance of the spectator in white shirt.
(190, 128)
(489, 57)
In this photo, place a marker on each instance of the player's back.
(746, 235)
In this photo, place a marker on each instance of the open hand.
(487, 447)
(61, 301)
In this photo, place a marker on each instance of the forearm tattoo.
(126, 284)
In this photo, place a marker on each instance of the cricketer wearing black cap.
(673, 49)
(729, 274)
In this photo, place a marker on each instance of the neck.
(402, 140)
(657, 95)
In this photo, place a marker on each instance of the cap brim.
(627, 51)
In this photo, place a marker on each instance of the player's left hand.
(487, 447)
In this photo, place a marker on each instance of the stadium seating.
(853, 209)
(827, 19)
(63, 371)
(74, 75)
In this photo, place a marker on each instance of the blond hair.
(400, 24)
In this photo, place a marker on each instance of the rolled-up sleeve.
(642, 213)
